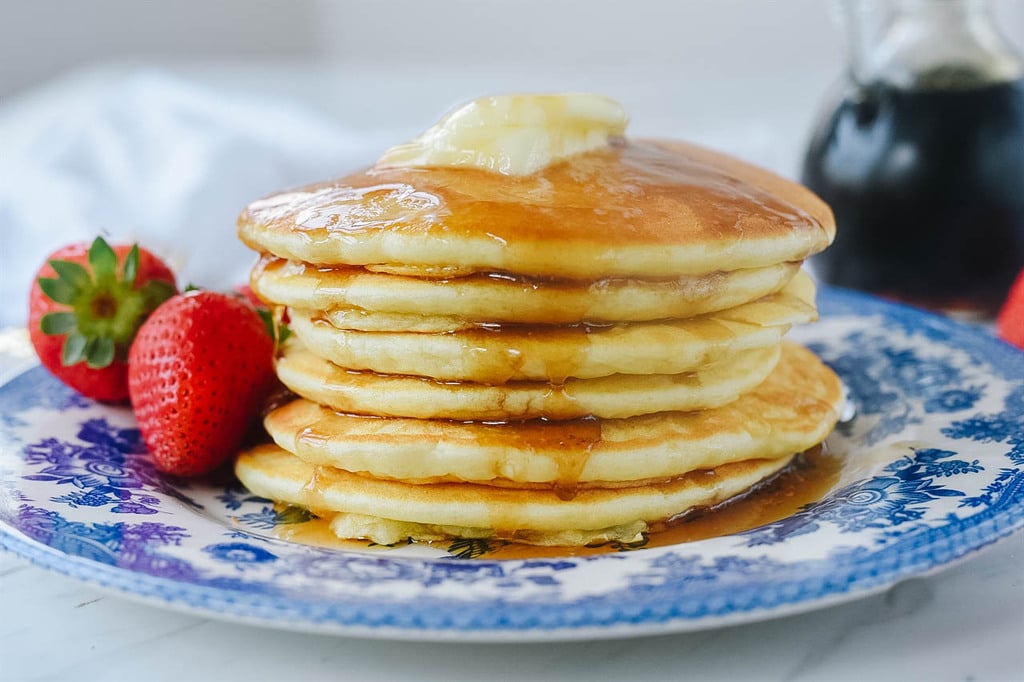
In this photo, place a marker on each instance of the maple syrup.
(807, 479)
(928, 191)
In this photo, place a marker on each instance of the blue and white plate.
(933, 472)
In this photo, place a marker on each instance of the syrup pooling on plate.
(806, 480)
(526, 515)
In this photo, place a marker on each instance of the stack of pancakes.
(561, 358)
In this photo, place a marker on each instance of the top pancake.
(640, 208)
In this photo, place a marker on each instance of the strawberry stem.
(106, 310)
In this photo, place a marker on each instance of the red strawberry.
(198, 373)
(246, 292)
(86, 304)
(1011, 318)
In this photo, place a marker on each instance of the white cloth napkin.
(151, 158)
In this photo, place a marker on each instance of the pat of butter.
(514, 134)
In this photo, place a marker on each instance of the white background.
(664, 39)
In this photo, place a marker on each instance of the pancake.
(272, 472)
(618, 395)
(636, 209)
(553, 354)
(358, 320)
(390, 532)
(792, 410)
(502, 297)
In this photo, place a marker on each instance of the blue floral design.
(1006, 426)
(1016, 453)
(359, 570)
(111, 469)
(239, 553)
(897, 385)
(235, 495)
(953, 400)
(867, 370)
(134, 547)
(920, 377)
(268, 518)
(993, 490)
(879, 502)
(985, 428)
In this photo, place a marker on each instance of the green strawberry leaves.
(97, 352)
(53, 324)
(73, 351)
(156, 291)
(131, 265)
(106, 306)
(71, 274)
(59, 290)
(102, 260)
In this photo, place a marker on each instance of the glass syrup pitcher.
(922, 159)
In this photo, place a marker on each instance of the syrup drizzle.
(806, 480)
(631, 194)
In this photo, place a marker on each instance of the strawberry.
(246, 292)
(86, 304)
(1010, 322)
(198, 373)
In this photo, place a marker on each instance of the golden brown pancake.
(389, 532)
(553, 354)
(638, 209)
(503, 298)
(271, 472)
(619, 395)
(792, 410)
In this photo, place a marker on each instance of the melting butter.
(514, 134)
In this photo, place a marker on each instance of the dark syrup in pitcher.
(928, 191)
